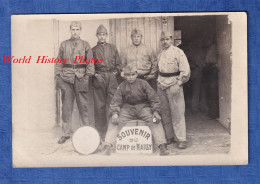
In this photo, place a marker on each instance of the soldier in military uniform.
(135, 99)
(73, 78)
(174, 71)
(142, 57)
(105, 81)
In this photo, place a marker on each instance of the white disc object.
(86, 140)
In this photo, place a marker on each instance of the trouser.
(69, 91)
(172, 111)
(127, 114)
(196, 80)
(103, 94)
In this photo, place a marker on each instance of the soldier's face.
(166, 42)
(102, 37)
(130, 77)
(75, 31)
(136, 39)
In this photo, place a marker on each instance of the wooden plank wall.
(151, 27)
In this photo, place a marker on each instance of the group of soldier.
(152, 90)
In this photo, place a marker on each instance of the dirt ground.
(204, 137)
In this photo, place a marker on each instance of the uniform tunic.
(135, 101)
(74, 82)
(173, 60)
(104, 91)
(143, 58)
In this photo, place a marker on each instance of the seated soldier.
(135, 99)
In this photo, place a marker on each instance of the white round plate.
(86, 140)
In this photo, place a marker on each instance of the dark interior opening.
(198, 40)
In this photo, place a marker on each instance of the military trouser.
(196, 79)
(172, 111)
(103, 94)
(69, 91)
(131, 113)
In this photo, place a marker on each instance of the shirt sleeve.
(184, 68)
(90, 68)
(116, 102)
(153, 59)
(152, 97)
(58, 66)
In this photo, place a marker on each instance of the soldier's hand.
(157, 117)
(57, 77)
(99, 78)
(175, 89)
(114, 119)
(149, 77)
(85, 78)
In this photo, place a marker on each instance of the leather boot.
(163, 150)
(63, 139)
(107, 149)
(182, 145)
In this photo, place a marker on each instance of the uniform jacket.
(109, 55)
(70, 49)
(173, 60)
(142, 56)
(139, 95)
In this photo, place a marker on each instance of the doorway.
(206, 41)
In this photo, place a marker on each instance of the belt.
(169, 74)
(75, 66)
(136, 103)
(105, 70)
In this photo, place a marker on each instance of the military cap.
(75, 24)
(166, 34)
(101, 29)
(136, 32)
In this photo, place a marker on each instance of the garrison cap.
(128, 69)
(136, 32)
(101, 29)
(166, 34)
(75, 24)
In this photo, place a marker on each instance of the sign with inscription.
(134, 139)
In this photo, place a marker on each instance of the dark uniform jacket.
(70, 49)
(109, 55)
(137, 95)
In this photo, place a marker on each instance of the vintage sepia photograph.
(141, 89)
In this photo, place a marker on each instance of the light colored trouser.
(172, 111)
(127, 114)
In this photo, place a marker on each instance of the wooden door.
(224, 65)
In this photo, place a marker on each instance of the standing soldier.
(105, 81)
(174, 71)
(142, 57)
(73, 78)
